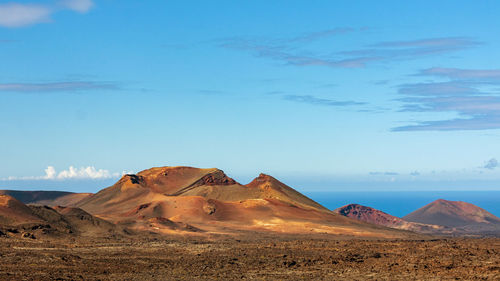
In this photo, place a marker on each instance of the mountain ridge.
(209, 200)
(372, 215)
(452, 214)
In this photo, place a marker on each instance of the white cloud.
(88, 172)
(19, 14)
(84, 173)
(468, 93)
(81, 6)
(50, 172)
(16, 15)
(65, 86)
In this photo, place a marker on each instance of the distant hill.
(14, 212)
(28, 197)
(455, 214)
(439, 217)
(35, 221)
(50, 198)
(374, 216)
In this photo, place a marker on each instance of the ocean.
(401, 203)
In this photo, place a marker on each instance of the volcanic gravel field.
(249, 258)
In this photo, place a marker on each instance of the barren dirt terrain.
(251, 258)
(183, 223)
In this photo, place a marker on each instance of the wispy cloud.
(81, 6)
(88, 172)
(312, 36)
(16, 14)
(273, 93)
(320, 101)
(457, 124)
(448, 88)
(447, 42)
(211, 92)
(290, 51)
(283, 51)
(381, 82)
(383, 174)
(467, 75)
(405, 50)
(70, 86)
(467, 93)
(491, 164)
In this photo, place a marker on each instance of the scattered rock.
(209, 208)
(28, 235)
(12, 230)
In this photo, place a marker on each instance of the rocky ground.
(264, 258)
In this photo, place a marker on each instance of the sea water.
(401, 203)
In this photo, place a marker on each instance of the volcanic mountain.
(157, 183)
(210, 201)
(374, 216)
(75, 221)
(455, 214)
(14, 212)
(51, 198)
(18, 218)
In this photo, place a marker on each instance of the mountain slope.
(68, 200)
(452, 214)
(32, 196)
(14, 212)
(32, 221)
(51, 198)
(74, 221)
(158, 183)
(374, 216)
(279, 190)
(209, 200)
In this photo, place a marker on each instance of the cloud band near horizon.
(89, 173)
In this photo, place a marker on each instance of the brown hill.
(13, 212)
(272, 188)
(157, 183)
(75, 221)
(453, 214)
(51, 198)
(207, 199)
(68, 200)
(32, 221)
(32, 196)
(374, 216)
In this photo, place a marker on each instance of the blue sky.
(322, 94)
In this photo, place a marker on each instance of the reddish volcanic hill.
(68, 200)
(51, 198)
(14, 212)
(75, 221)
(32, 221)
(272, 188)
(371, 215)
(184, 198)
(453, 214)
(157, 183)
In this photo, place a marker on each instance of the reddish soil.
(255, 257)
